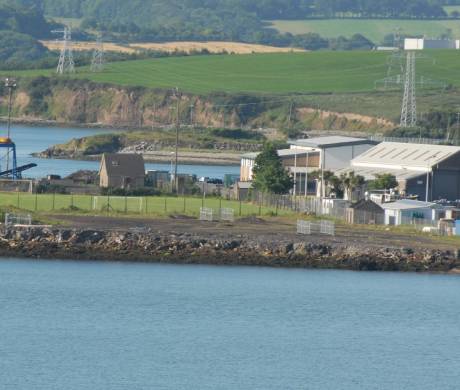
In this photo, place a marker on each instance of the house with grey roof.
(429, 172)
(122, 170)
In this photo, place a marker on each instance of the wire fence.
(225, 209)
(340, 210)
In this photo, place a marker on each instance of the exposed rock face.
(83, 102)
(171, 247)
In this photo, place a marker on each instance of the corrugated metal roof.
(407, 204)
(281, 153)
(370, 173)
(331, 141)
(397, 155)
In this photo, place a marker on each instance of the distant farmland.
(186, 46)
(314, 72)
(373, 29)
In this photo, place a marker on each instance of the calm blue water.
(69, 325)
(36, 139)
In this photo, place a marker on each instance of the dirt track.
(271, 229)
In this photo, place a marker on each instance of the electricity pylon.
(409, 104)
(66, 63)
(407, 78)
(97, 63)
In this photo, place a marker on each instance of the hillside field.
(170, 47)
(280, 73)
(373, 29)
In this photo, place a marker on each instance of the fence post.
(147, 205)
(91, 203)
(54, 200)
(202, 199)
(220, 203)
(71, 201)
(17, 203)
(276, 207)
(166, 205)
(240, 208)
(36, 201)
(126, 204)
(185, 208)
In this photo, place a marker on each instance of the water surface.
(30, 139)
(88, 325)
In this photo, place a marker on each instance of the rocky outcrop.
(173, 247)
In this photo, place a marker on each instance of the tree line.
(235, 20)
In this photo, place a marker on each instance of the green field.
(152, 205)
(373, 29)
(315, 72)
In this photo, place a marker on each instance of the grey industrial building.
(430, 172)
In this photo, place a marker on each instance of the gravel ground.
(264, 230)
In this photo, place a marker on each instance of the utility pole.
(154, 115)
(290, 113)
(177, 95)
(11, 85)
(191, 115)
(66, 63)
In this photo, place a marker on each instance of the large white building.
(423, 43)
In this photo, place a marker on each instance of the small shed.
(241, 190)
(405, 211)
(365, 212)
(122, 170)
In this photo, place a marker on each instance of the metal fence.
(338, 209)
(227, 215)
(309, 227)
(207, 214)
(18, 219)
(414, 140)
(223, 214)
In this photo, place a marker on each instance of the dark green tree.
(384, 181)
(269, 174)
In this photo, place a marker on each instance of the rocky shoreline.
(187, 248)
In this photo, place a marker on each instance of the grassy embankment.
(373, 29)
(338, 81)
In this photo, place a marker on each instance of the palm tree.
(349, 182)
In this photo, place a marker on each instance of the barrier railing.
(322, 227)
(18, 219)
(227, 215)
(207, 214)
